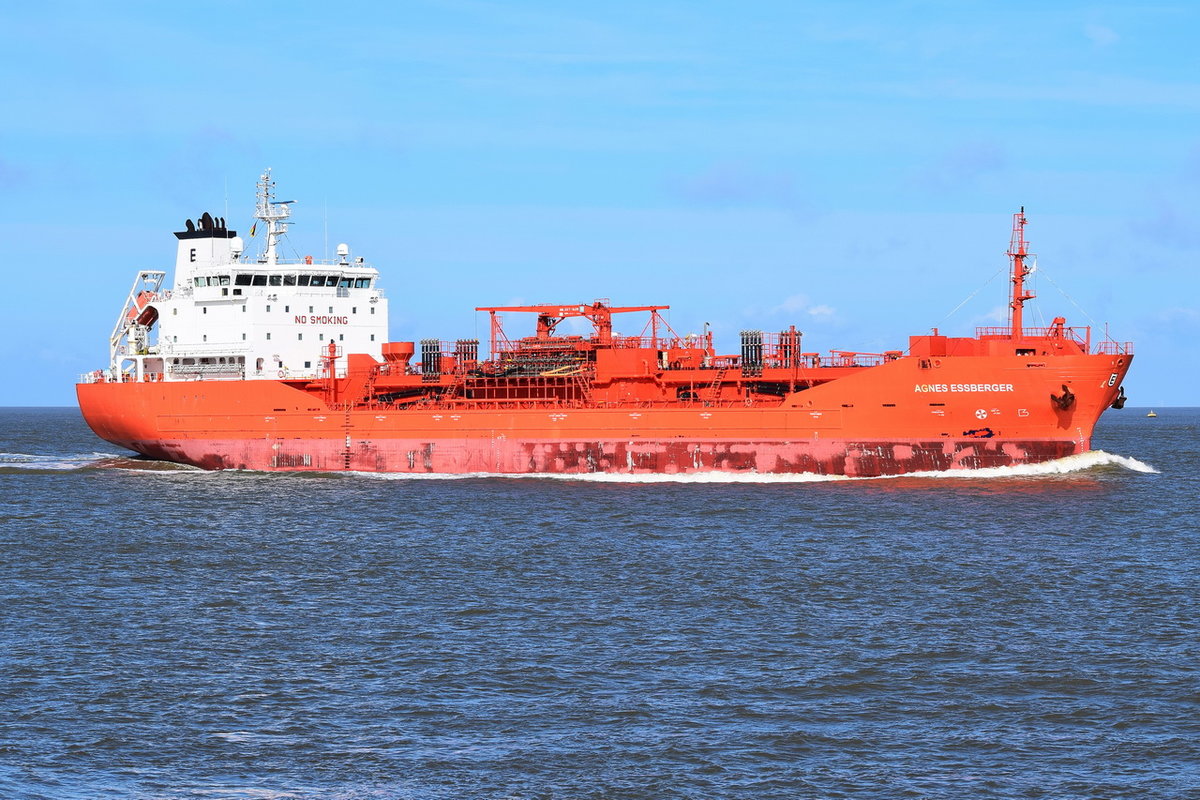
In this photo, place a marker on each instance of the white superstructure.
(232, 316)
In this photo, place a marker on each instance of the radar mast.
(273, 213)
(1017, 252)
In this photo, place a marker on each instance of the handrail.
(1078, 334)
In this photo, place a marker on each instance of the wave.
(1083, 462)
(15, 463)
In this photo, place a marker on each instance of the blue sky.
(847, 167)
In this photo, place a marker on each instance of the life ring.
(283, 373)
(937, 362)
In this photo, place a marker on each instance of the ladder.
(714, 391)
(584, 384)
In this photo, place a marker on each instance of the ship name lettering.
(963, 387)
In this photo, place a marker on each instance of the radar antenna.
(273, 213)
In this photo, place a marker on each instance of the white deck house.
(233, 317)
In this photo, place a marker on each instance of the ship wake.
(1082, 462)
(1091, 461)
(26, 463)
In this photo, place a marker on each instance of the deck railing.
(1081, 336)
(1113, 348)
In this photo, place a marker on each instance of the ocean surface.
(1023, 633)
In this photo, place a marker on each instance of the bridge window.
(362, 283)
(289, 280)
(224, 279)
(345, 283)
(260, 280)
(275, 280)
(303, 280)
(242, 280)
(317, 280)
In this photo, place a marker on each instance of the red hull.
(678, 456)
(843, 427)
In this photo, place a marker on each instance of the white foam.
(1093, 459)
(56, 462)
(65, 463)
(608, 477)
(1083, 462)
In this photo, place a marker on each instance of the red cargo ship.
(260, 363)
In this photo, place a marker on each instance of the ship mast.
(1017, 253)
(271, 212)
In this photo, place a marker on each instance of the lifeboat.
(141, 311)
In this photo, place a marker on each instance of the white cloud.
(1169, 224)
(800, 304)
(963, 166)
(999, 315)
(791, 304)
(1185, 316)
(1100, 35)
(12, 174)
(740, 185)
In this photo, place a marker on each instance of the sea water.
(172, 633)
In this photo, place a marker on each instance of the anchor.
(1065, 400)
